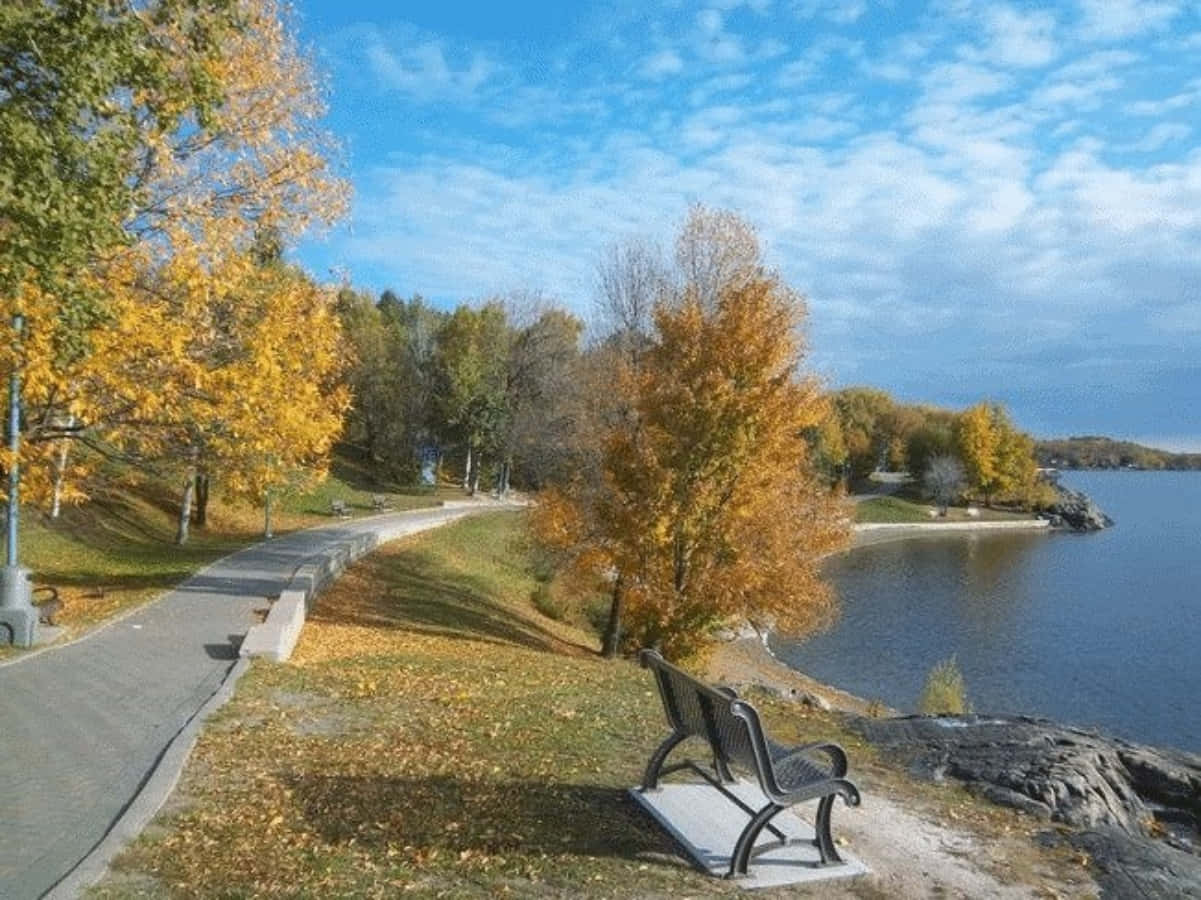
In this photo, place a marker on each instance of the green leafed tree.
(86, 87)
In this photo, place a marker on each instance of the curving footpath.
(93, 734)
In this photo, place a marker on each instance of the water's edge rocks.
(1076, 510)
(1137, 809)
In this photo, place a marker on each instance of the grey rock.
(1076, 510)
(1135, 809)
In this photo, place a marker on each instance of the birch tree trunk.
(60, 474)
(612, 638)
(185, 506)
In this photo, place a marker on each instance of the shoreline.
(865, 534)
(748, 661)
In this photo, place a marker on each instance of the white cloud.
(994, 191)
(710, 21)
(841, 12)
(1115, 20)
(420, 66)
(661, 64)
(1024, 39)
(1159, 136)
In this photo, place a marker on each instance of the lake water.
(1099, 630)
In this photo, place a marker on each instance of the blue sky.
(979, 199)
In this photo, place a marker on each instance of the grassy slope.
(118, 550)
(434, 736)
(898, 509)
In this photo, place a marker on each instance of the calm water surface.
(1098, 630)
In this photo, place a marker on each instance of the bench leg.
(746, 841)
(823, 840)
(650, 780)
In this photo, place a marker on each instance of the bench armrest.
(835, 753)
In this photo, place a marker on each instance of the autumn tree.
(998, 458)
(717, 251)
(709, 510)
(391, 348)
(863, 414)
(219, 149)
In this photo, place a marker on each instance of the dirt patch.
(903, 831)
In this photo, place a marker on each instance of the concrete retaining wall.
(276, 637)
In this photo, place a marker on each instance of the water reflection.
(1096, 630)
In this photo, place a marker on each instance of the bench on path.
(379, 503)
(49, 607)
(338, 508)
(735, 737)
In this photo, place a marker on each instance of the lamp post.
(18, 618)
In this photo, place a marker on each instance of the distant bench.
(787, 775)
(49, 606)
(338, 508)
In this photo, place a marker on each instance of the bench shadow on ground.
(482, 816)
(412, 591)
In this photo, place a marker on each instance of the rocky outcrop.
(1136, 806)
(1076, 510)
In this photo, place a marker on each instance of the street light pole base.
(18, 615)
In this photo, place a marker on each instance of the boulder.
(1135, 808)
(1076, 510)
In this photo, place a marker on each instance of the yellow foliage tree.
(978, 439)
(200, 354)
(998, 458)
(715, 511)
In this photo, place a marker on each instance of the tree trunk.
(185, 508)
(60, 473)
(267, 533)
(475, 476)
(467, 469)
(612, 637)
(202, 499)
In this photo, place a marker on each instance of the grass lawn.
(892, 509)
(435, 736)
(118, 550)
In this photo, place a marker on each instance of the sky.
(980, 200)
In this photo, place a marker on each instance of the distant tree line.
(488, 391)
(1093, 452)
(868, 431)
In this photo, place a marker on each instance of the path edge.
(167, 769)
(157, 787)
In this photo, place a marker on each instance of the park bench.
(379, 503)
(338, 508)
(735, 737)
(49, 606)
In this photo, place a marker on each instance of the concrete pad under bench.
(707, 825)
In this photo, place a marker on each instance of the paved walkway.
(83, 726)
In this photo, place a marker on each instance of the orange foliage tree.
(708, 511)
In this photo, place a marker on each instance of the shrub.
(546, 603)
(944, 693)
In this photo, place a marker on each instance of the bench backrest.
(703, 711)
